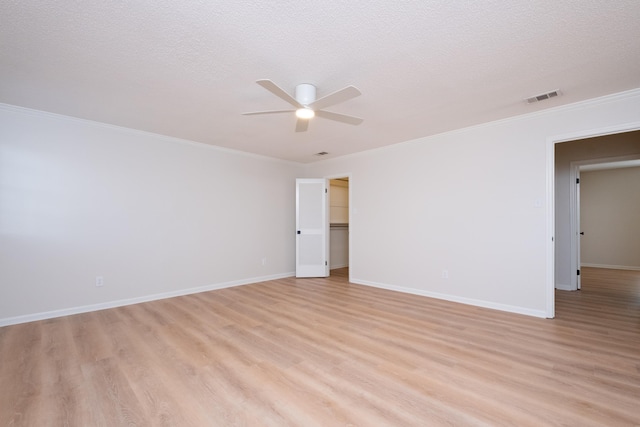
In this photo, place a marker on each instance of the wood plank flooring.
(324, 352)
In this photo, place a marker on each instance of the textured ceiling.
(188, 68)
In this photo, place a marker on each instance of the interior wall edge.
(454, 298)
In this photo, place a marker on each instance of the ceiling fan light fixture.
(307, 106)
(305, 113)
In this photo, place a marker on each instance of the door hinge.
(325, 191)
(326, 263)
(578, 272)
(577, 180)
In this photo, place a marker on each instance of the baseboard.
(129, 301)
(333, 267)
(563, 287)
(453, 298)
(613, 267)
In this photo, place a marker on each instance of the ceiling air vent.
(322, 153)
(543, 96)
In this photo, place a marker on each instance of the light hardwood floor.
(323, 352)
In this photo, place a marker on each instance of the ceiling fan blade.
(253, 113)
(279, 92)
(335, 98)
(302, 125)
(339, 117)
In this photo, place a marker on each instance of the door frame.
(551, 208)
(574, 209)
(351, 213)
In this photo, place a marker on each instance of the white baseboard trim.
(129, 301)
(613, 267)
(563, 287)
(333, 267)
(453, 298)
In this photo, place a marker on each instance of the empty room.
(320, 213)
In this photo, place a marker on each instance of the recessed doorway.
(339, 225)
(570, 156)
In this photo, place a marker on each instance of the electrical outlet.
(445, 274)
(99, 281)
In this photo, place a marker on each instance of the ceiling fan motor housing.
(305, 93)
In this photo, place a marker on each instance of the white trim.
(453, 298)
(335, 267)
(563, 287)
(550, 227)
(129, 301)
(594, 133)
(613, 267)
(551, 176)
(138, 132)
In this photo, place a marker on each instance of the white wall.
(610, 218)
(153, 215)
(472, 202)
(607, 146)
(159, 217)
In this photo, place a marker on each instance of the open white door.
(312, 228)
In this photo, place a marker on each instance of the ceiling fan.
(307, 106)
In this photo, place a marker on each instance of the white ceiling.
(188, 68)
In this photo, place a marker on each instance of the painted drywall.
(154, 216)
(602, 147)
(469, 205)
(610, 218)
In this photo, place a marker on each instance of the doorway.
(339, 221)
(323, 218)
(611, 230)
(570, 155)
